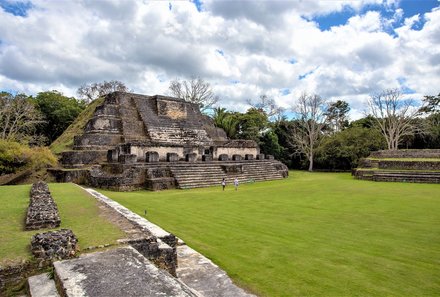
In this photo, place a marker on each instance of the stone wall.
(231, 151)
(60, 244)
(425, 153)
(409, 165)
(42, 211)
(11, 275)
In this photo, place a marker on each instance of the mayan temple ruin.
(135, 142)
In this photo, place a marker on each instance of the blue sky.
(409, 8)
(340, 49)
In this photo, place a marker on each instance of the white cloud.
(243, 48)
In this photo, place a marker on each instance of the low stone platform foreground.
(123, 271)
(115, 273)
(193, 269)
(417, 166)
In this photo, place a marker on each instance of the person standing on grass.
(236, 183)
(223, 183)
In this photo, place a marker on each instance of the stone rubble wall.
(409, 165)
(42, 211)
(60, 244)
(424, 153)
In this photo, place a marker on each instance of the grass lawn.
(77, 209)
(313, 234)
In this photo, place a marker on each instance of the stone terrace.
(418, 166)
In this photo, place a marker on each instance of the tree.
(18, 118)
(337, 115)
(195, 90)
(431, 104)
(310, 113)
(394, 116)
(342, 150)
(226, 120)
(93, 91)
(268, 106)
(59, 112)
(270, 145)
(252, 124)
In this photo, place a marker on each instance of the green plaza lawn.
(78, 211)
(313, 234)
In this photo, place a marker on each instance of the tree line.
(319, 135)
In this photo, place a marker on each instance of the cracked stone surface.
(115, 273)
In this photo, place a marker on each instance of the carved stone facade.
(135, 141)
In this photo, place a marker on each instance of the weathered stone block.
(270, 157)
(260, 156)
(207, 158)
(223, 157)
(192, 157)
(75, 158)
(232, 169)
(172, 157)
(127, 158)
(60, 244)
(114, 273)
(236, 157)
(249, 157)
(151, 157)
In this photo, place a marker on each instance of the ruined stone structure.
(417, 166)
(54, 245)
(156, 142)
(42, 211)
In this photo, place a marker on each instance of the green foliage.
(65, 141)
(342, 151)
(269, 144)
(252, 124)
(313, 234)
(59, 112)
(337, 115)
(432, 104)
(15, 156)
(226, 120)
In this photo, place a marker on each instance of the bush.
(15, 156)
(343, 150)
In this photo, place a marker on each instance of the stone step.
(199, 184)
(114, 273)
(42, 286)
(220, 177)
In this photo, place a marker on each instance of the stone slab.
(42, 286)
(202, 275)
(114, 273)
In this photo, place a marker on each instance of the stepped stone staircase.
(416, 166)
